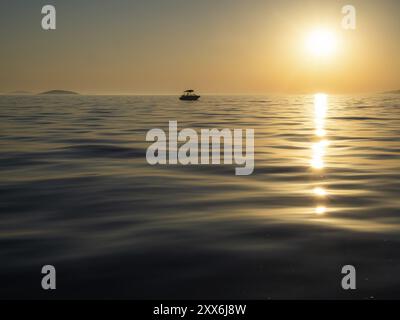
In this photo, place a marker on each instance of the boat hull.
(189, 98)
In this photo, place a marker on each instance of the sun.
(321, 43)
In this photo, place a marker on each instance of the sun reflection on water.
(320, 210)
(320, 109)
(319, 192)
(319, 147)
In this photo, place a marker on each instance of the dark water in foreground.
(76, 192)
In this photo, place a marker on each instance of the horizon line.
(105, 93)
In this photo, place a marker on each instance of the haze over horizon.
(224, 47)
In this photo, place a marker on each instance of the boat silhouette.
(189, 95)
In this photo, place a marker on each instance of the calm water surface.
(76, 192)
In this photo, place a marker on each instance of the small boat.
(189, 95)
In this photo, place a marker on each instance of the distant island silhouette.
(59, 92)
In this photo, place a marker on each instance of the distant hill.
(393, 92)
(59, 92)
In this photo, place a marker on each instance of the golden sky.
(219, 46)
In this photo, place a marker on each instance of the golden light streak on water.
(319, 147)
(320, 210)
(320, 192)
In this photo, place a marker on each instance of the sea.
(77, 193)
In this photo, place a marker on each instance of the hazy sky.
(214, 46)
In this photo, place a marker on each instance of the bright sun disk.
(321, 43)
